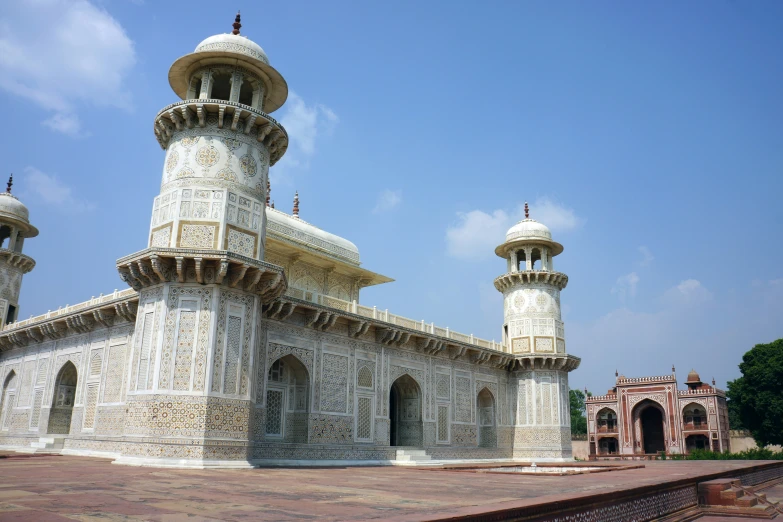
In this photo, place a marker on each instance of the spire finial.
(713, 381)
(616, 374)
(236, 24)
(296, 204)
(527, 211)
(268, 192)
(10, 184)
(673, 368)
(273, 204)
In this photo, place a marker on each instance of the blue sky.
(647, 136)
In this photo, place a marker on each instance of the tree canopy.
(578, 419)
(757, 397)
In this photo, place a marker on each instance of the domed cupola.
(229, 67)
(528, 242)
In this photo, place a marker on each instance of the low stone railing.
(384, 315)
(596, 398)
(704, 391)
(117, 294)
(637, 380)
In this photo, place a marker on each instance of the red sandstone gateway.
(643, 417)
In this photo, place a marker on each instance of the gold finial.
(296, 204)
(236, 25)
(527, 211)
(10, 184)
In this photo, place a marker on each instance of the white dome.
(281, 225)
(12, 207)
(233, 43)
(529, 229)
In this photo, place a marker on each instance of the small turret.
(15, 227)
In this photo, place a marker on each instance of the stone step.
(412, 455)
(48, 444)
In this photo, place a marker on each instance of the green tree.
(578, 419)
(757, 396)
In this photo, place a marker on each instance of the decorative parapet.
(100, 311)
(646, 380)
(385, 316)
(601, 398)
(154, 266)
(17, 259)
(701, 392)
(236, 116)
(323, 317)
(506, 281)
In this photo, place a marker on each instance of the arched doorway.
(405, 413)
(487, 433)
(62, 402)
(7, 400)
(651, 419)
(694, 442)
(288, 389)
(608, 446)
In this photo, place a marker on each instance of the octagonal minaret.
(14, 228)
(202, 280)
(533, 331)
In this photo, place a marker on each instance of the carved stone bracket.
(430, 346)
(455, 352)
(358, 328)
(387, 336)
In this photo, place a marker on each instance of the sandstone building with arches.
(242, 340)
(641, 417)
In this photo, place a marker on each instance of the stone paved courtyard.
(53, 487)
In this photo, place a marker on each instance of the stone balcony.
(238, 117)
(508, 280)
(17, 259)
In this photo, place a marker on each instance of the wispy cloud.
(54, 192)
(475, 234)
(305, 125)
(688, 292)
(72, 55)
(387, 200)
(625, 286)
(556, 216)
(647, 257)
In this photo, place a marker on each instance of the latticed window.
(274, 412)
(364, 418)
(443, 423)
(364, 377)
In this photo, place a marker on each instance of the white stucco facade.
(242, 339)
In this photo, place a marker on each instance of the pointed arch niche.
(62, 400)
(406, 427)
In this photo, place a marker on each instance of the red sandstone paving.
(54, 487)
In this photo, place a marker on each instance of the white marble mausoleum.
(241, 339)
